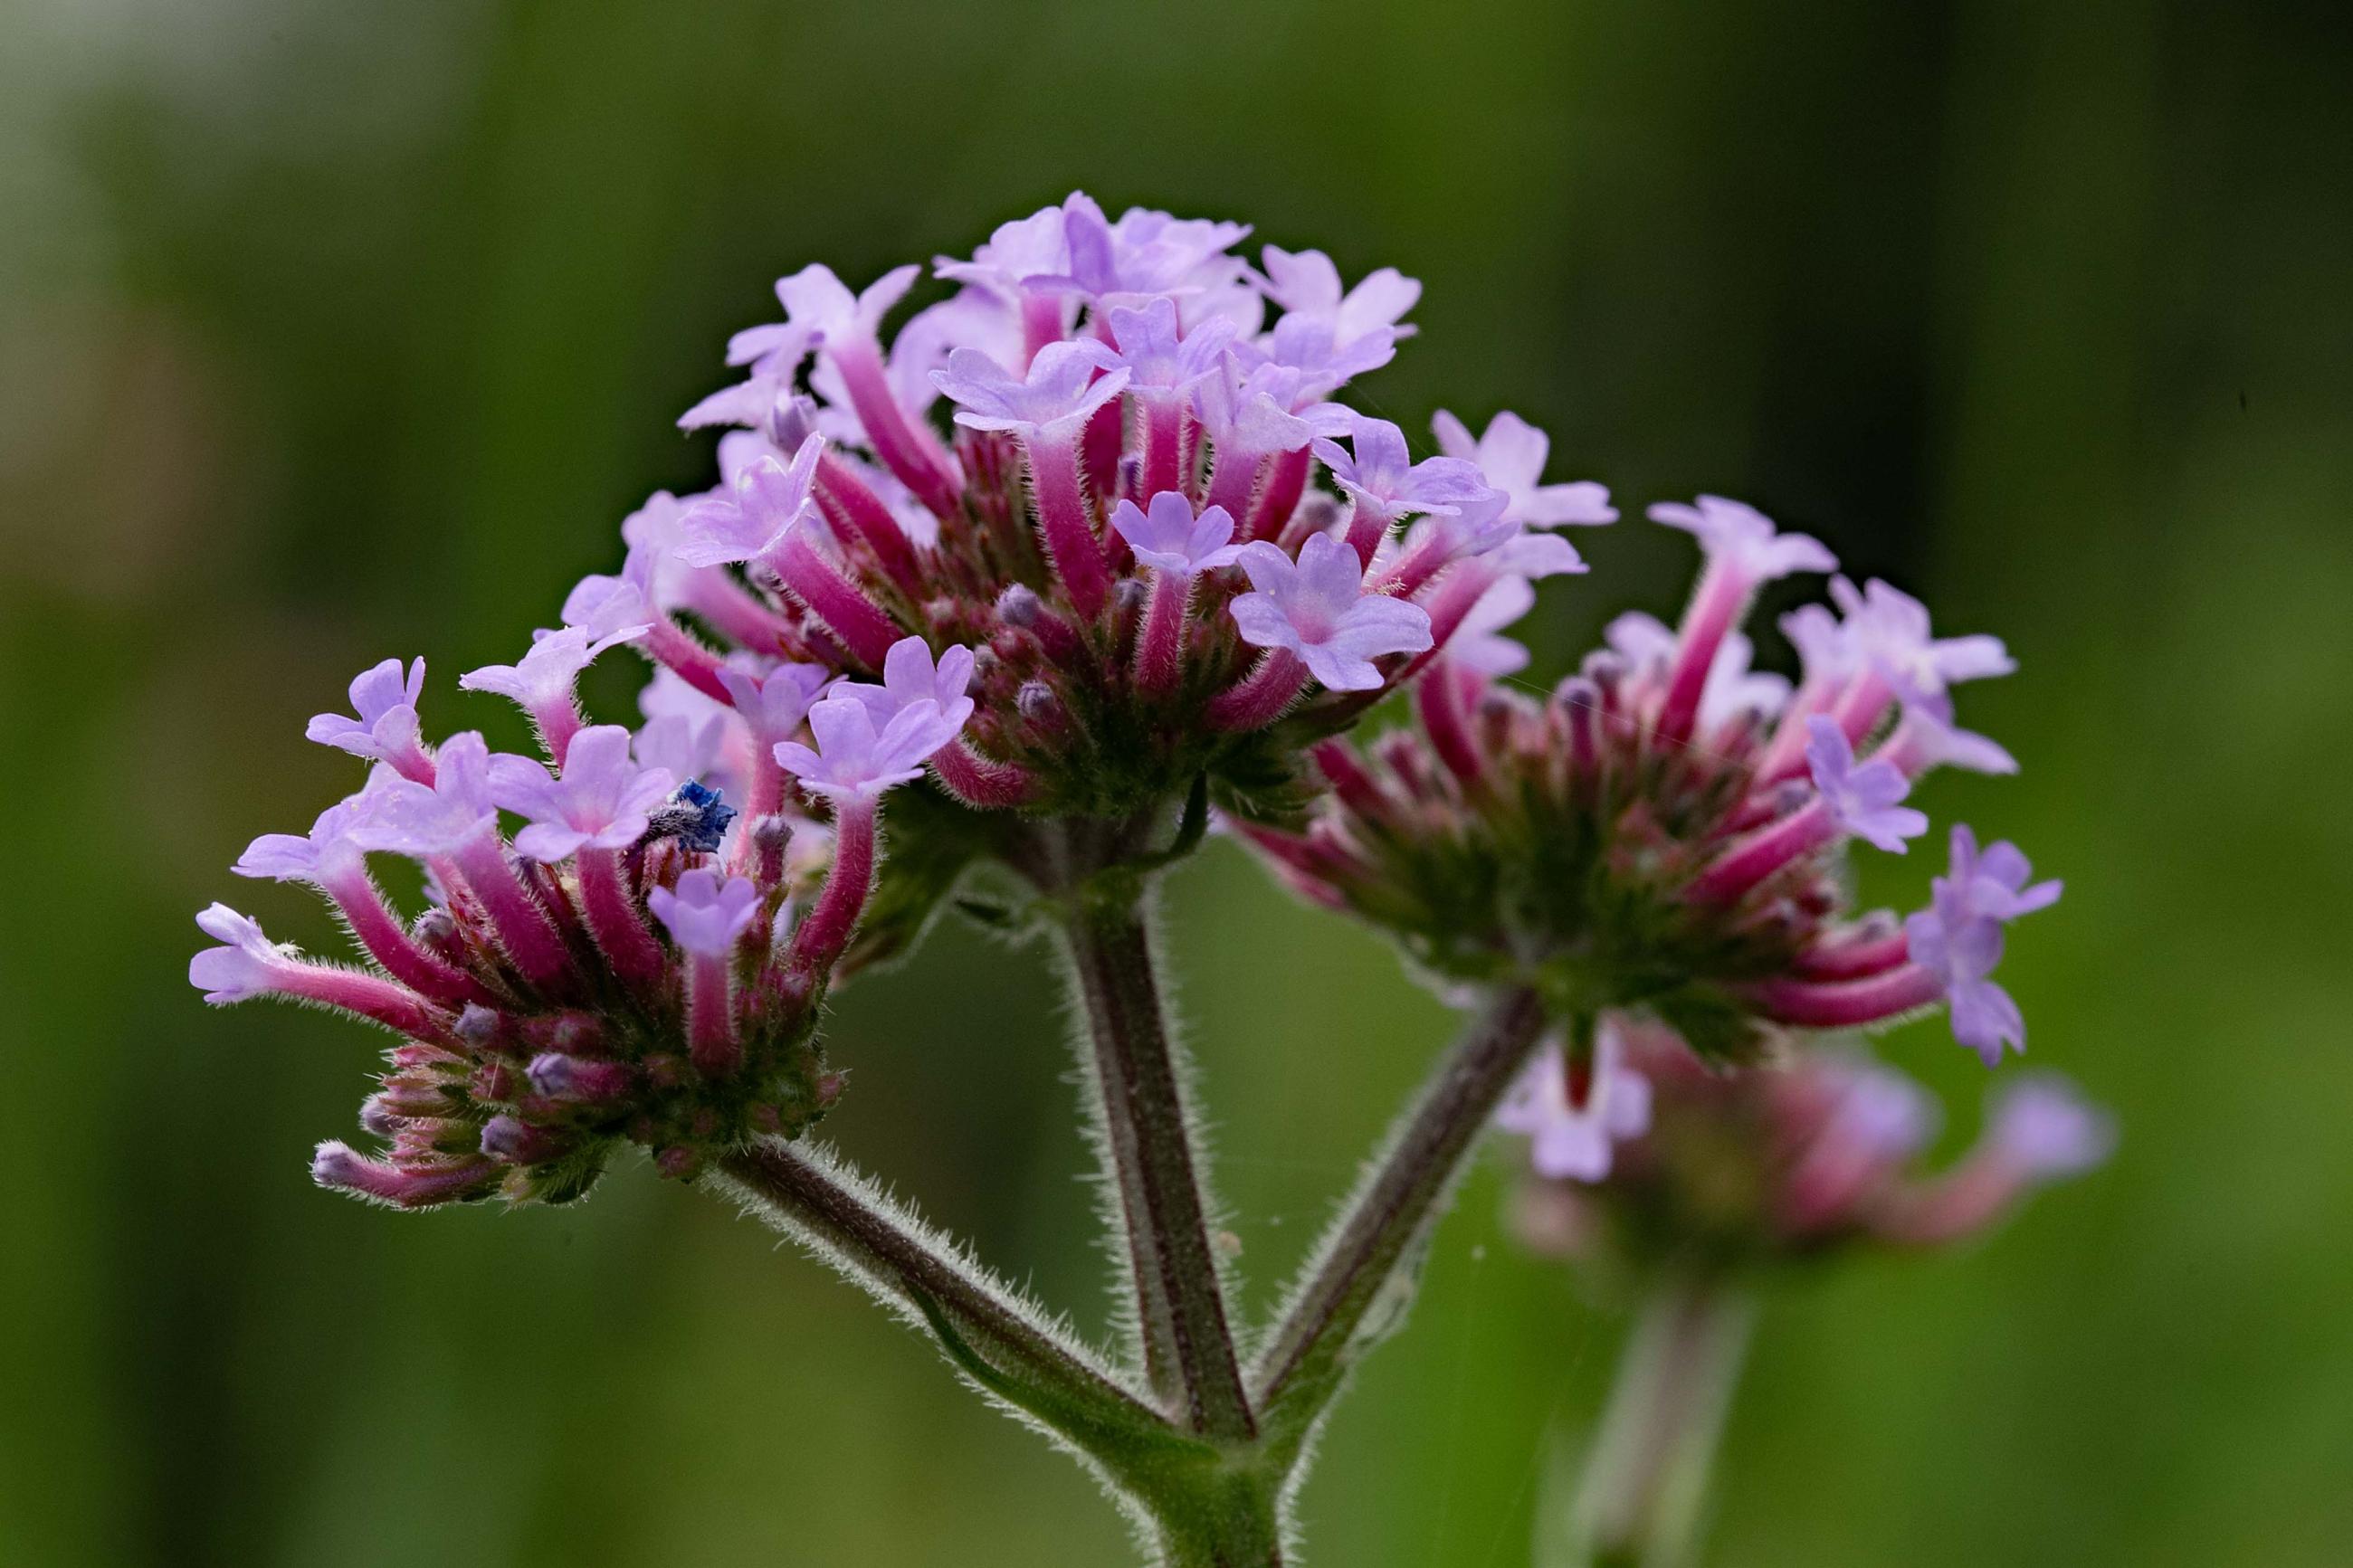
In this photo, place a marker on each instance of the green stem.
(1147, 1144)
(1641, 1501)
(1368, 1253)
(995, 1337)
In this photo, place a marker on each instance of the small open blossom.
(1745, 539)
(853, 756)
(1318, 608)
(1510, 457)
(385, 727)
(753, 519)
(703, 914)
(1862, 798)
(1062, 388)
(1569, 1136)
(1171, 538)
(603, 798)
(1958, 938)
(1381, 477)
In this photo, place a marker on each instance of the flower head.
(546, 673)
(908, 678)
(1318, 608)
(2042, 1126)
(244, 965)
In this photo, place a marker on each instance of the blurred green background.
(330, 329)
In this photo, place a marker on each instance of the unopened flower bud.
(1018, 606)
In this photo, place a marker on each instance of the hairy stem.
(1639, 1502)
(1188, 1347)
(1370, 1247)
(995, 1337)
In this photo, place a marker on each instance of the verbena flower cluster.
(1744, 1170)
(1148, 556)
(1664, 833)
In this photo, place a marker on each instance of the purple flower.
(1478, 643)
(601, 802)
(1958, 938)
(1879, 1114)
(1996, 880)
(326, 854)
(1156, 356)
(385, 702)
(1889, 629)
(1863, 799)
(1511, 455)
(246, 964)
(1384, 480)
(1825, 651)
(610, 609)
(1318, 609)
(754, 516)
(427, 820)
(1648, 646)
(2041, 1126)
(1576, 1143)
(688, 745)
(1926, 739)
(1169, 538)
(853, 760)
(1306, 284)
(1026, 248)
(909, 678)
(546, 673)
(1248, 411)
(1053, 400)
(1147, 252)
(1744, 540)
(775, 703)
(818, 302)
(705, 915)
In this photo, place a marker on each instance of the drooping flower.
(1574, 1138)
(1743, 540)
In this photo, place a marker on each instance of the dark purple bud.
(1131, 478)
(678, 1162)
(665, 1070)
(579, 1078)
(1128, 594)
(768, 1118)
(495, 1082)
(517, 1143)
(1039, 704)
(1018, 606)
(476, 1026)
